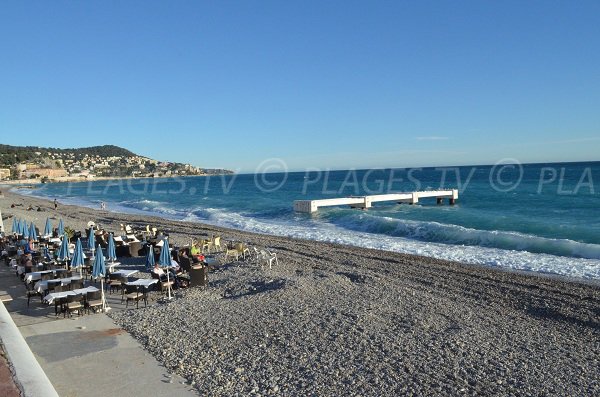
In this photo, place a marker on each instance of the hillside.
(23, 162)
(11, 155)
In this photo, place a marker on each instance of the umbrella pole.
(105, 306)
(168, 285)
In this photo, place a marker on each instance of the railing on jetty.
(364, 202)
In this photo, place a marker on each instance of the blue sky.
(335, 84)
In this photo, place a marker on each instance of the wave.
(459, 235)
(315, 229)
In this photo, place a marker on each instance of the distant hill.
(96, 161)
(10, 155)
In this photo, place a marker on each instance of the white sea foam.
(321, 231)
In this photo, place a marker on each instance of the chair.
(53, 284)
(242, 250)
(132, 293)
(185, 263)
(134, 248)
(163, 284)
(59, 303)
(93, 300)
(199, 277)
(73, 303)
(231, 252)
(76, 284)
(31, 292)
(46, 276)
(114, 282)
(266, 258)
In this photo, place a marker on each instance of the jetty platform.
(364, 202)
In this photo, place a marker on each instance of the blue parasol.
(99, 271)
(63, 251)
(32, 232)
(165, 261)
(61, 227)
(15, 225)
(112, 251)
(91, 239)
(48, 228)
(150, 257)
(25, 229)
(78, 256)
(165, 254)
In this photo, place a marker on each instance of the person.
(29, 247)
(55, 204)
(162, 275)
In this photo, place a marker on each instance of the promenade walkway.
(88, 355)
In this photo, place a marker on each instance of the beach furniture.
(134, 293)
(266, 257)
(73, 303)
(231, 253)
(199, 276)
(242, 250)
(93, 301)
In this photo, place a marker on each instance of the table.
(144, 282)
(54, 295)
(33, 276)
(42, 285)
(125, 273)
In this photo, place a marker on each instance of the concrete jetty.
(364, 202)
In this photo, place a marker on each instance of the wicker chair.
(133, 293)
(93, 300)
(73, 303)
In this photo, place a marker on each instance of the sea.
(534, 217)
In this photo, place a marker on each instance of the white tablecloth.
(125, 273)
(42, 285)
(53, 295)
(145, 282)
(33, 276)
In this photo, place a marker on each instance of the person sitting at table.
(162, 276)
(29, 247)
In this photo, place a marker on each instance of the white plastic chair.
(267, 257)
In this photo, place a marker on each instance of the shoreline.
(332, 319)
(157, 219)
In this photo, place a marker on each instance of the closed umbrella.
(25, 229)
(32, 232)
(1, 223)
(63, 252)
(165, 261)
(48, 227)
(78, 256)
(150, 257)
(99, 271)
(61, 227)
(112, 251)
(15, 225)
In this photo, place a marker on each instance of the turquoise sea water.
(540, 217)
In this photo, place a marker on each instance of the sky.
(263, 85)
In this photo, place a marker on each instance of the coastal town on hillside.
(49, 165)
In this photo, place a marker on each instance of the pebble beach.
(334, 320)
